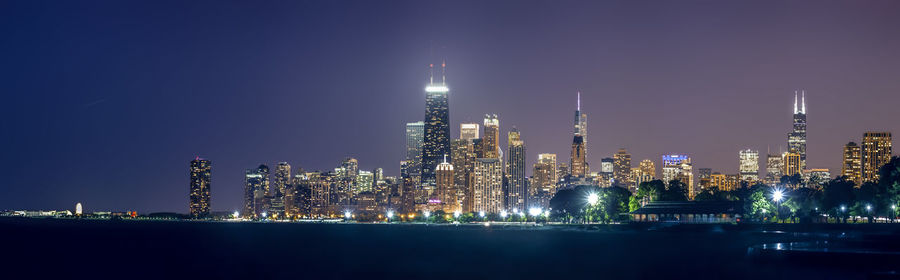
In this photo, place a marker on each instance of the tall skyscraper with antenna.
(579, 143)
(437, 126)
(797, 137)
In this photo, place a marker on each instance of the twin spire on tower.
(443, 72)
(802, 109)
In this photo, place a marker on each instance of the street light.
(347, 215)
(427, 214)
(456, 214)
(390, 214)
(503, 214)
(481, 214)
(593, 198)
(777, 195)
(236, 214)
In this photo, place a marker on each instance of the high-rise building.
(447, 193)
(792, 163)
(488, 187)
(774, 169)
(580, 120)
(462, 157)
(468, 131)
(490, 144)
(256, 185)
(437, 126)
(578, 159)
(679, 167)
(717, 181)
(622, 168)
(704, 176)
(876, 152)
(797, 137)
(578, 162)
(517, 194)
(281, 193)
(562, 171)
(545, 174)
(200, 183)
(749, 165)
(647, 167)
(365, 182)
(415, 139)
(852, 163)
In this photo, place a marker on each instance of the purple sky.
(106, 103)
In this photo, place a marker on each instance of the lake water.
(49, 248)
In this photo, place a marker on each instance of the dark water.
(80, 249)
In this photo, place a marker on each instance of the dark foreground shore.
(94, 249)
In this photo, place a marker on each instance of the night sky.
(106, 102)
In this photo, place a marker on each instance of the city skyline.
(630, 96)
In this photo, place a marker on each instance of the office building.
(852, 163)
(490, 143)
(488, 187)
(517, 194)
(797, 137)
(437, 126)
(622, 168)
(749, 165)
(876, 152)
(200, 184)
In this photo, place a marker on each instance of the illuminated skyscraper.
(491, 141)
(415, 137)
(256, 185)
(437, 127)
(282, 199)
(792, 162)
(446, 188)
(774, 169)
(462, 157)
(749, 165)
(852, 163)
(622, 168)
(468, 131)
(488, 188)
(545, 176)
(704, 176)
(647, 167)
(645, 172)
(876, 152)
(365, 181)
(517, 194)
(797, 137)
(578, 162)
(200, 183)
(679, 167)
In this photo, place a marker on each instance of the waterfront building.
(797, 136)
(852, 163)
(447, 193)
(578, 162)
(876, 152)
(544, 175)
(256, 185)
(517, 194)
(488, 187)
(200, 185)
(679, 167)
(283, 197)
(365, 182)
(749, 165)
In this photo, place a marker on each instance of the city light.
(868, 207)
(481, 214)
(456, 214)
(843, 208)
(777, 195)
(535, 211)
(390, 214)
(436, 89)
(236, 214)
(427, 214)
(347, 215)
(503, 214)
(592, 199)
(264, 214)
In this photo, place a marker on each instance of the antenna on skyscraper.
(804, 101)
(795, 102)
(579, 101)
(444, 71)
(431, 81)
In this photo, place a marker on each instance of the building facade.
(851, 166)
(622, 168)
(517, 193)
(797, 136)
(200, 184)
(437, 127)
(488, 188)
(876, 152)
(749, 165)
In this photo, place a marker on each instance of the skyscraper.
(200, 183)
(415, 137)
(283, 197)
(491, 141)
(774, 169)
(256, 185)
(876, 152)
(797, 137)
(622, 168)
(446, 188)
(468, 131)
(517, 194)
(437, 126)
(545, 174)
(749, 165)
(488, 187)
(647, 167)
(792, 162)
(462, 157)
(578, 162)
(645, 172)
(852, 163)
(679, 167)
